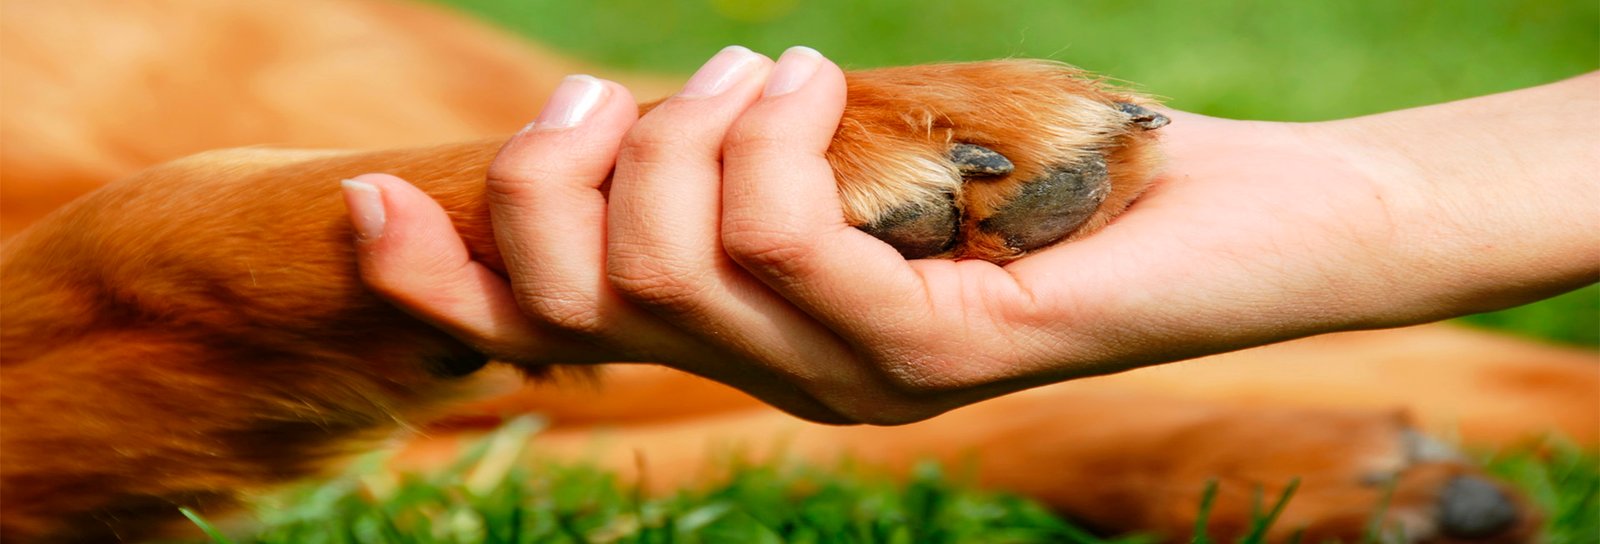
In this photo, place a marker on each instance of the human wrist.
(1490, 205)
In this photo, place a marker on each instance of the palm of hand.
(1247, 216)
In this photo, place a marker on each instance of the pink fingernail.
(726, 68)
(571, 104)
(794, 69)
(365, 202)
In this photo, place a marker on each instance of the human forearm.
(1494, 200)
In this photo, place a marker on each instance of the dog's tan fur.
(198, 330)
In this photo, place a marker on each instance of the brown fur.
(198, 330)
(184, 265)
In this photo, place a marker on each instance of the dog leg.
(200, 330)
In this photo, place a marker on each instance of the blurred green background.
(1287, 60)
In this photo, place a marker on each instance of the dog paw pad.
(1473, 508)
(918, 230)
(1053, 205)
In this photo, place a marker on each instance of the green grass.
(1564, 481)
(1294, 61)
(487, 498)
(498, 493)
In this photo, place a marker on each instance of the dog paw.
(989, 160)
(1378, 479)
(1121, 463)
(1437, 494)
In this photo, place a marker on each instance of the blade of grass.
(1202, 520)
(1260, 524)
(206, 526)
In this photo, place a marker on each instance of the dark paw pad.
(918, 231)
(1473, 508)
(925, 230)
(1051, 207)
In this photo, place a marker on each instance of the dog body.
(198, 328)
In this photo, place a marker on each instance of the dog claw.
(975, 160)
(1145, 118)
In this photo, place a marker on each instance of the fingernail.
(365, 202)
(726, 68)
(571, 104)
(794, 69)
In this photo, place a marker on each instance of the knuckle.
(654, 143)
(515, 185)
(781, 251)
(654, 282)
(566, 311)
(751, 138)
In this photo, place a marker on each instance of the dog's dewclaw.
(976, 160)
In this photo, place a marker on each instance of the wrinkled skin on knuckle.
(503, 188)
(751, 140)
(504, 178)
(781, 252)
(566, 311)
(651, 281)
(653, 144)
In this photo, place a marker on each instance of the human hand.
(547, 191)
(1259, 232)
